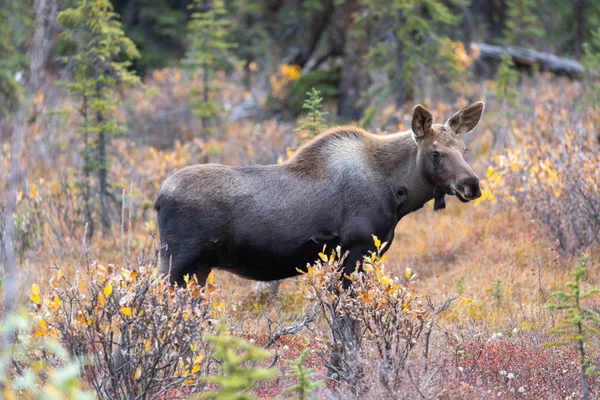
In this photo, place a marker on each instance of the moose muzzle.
(468, 189)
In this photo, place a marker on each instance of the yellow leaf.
(386, 280)
(211, 278)
(107, 290)
(54, 303)
(101, 300)
(38, 98)
(376, 241)
(310, 271)
(198, 358)
(126, 311)
(33, 191)
(36, 299)
(323, 257)
(195, 369)
(35, 289)
(186, 278)
(408, 273)
(43, 324)
(138, 373)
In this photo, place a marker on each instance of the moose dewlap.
(265, 222)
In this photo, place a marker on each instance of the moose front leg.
(353, 261)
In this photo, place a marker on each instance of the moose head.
(441, 153)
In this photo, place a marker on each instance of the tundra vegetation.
(492, 299)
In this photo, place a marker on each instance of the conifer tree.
(591, 57)
(210, 51)
(14, 32)
(508, 77)
(238, 377)
(314, 122)
(577, 325)
(100, 66)
(306, 384)
(418, 41)
(522, 23)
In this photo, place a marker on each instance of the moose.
(267, 222)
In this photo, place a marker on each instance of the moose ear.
(466, 119)
(421, 121)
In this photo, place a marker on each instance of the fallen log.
(527, 58)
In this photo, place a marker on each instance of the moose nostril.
(470, 187)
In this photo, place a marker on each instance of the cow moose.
(339, 189)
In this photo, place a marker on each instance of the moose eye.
(436, 156)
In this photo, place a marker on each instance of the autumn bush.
(557, 183)
(373, 326)
(32, 367)
(140, 336)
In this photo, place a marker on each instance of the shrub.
(142, 337)
(556, 183)
(379, 318)
(37, 368)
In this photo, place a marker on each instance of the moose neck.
(400, 150)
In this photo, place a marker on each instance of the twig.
(289, 330)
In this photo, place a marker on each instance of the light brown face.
(441, 151)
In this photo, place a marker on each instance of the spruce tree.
(238, 377)
(14, 33)
(99, 67)
(418, 41)
(508, 76)
(210, 51)
(522, 23)
(306, 383)
(577, 325)
(314, 122)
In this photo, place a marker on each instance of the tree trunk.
(85, 184)
(496, 13)
(102, 178)
(9, 237)
(354, 80)
(205, 96)
(45, 11)
(579, 6)
(318, 26)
